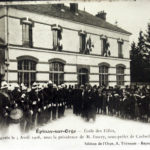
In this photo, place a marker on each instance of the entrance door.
(83, 76)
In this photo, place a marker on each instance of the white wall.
(2, 28)
(44, 56)
(3, 24)
(70, 40)
(42, 67)
(42, 77)
(42, 34)
(15, 31)
(70, 77)
(70, 70)
(12, 76)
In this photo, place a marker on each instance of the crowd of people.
(131, 102)
(46, 102)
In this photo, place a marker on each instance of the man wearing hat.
(33, 100)
(104, 101)
(74, 97)
(4, 105)
(117, 103)
(60, 101)
(48, 96)
(24, 105)
(92, 103)
(70, 92)
(54, 102)
(79, 99)
(64, 98)
(16, 95)
(110, 102)
(99, 101)
(40, 105)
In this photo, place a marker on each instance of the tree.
(140, 58)
(141, 40)
(136, 63)
(147, 35)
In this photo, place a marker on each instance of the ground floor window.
(120, 75)
(83, 76)
(103, 75)
(26, 72)
(57, 73)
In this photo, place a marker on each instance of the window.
(57, 37)
(105, 47)
(27, 25)
(82, 40)
(120, 48)
(2, 69)
(120, 55)
(103, 75)
(26, 72)
(104, 41)
(82, 43)
(83, 76)
(57, 73)
(27, 34)
(120, 75)
(2, 61)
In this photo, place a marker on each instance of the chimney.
(101, 15)
(74, 8)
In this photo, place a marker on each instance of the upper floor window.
(120, 48)
(27, 25)
(82, 36)
(2, 62)
(105, 46)
(57, 37)
(27, 35)
(120, 75)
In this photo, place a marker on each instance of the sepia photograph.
(75, 74)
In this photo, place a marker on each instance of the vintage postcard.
(75, 75)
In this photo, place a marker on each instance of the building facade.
(62, 44)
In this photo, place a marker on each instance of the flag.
(89, 44)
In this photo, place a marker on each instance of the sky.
(132, 16)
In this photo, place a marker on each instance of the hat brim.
(4, 87)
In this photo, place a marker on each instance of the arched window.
(120, 75)
(103, 74)
(26, 71)
(83, 76)
(57, 72)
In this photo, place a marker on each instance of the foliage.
(140, 58)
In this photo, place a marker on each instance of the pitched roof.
(82, 17)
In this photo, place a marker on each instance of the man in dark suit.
(54, 102)
(48, 101)
(33, 102)
(5, 105)
(16, 95)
